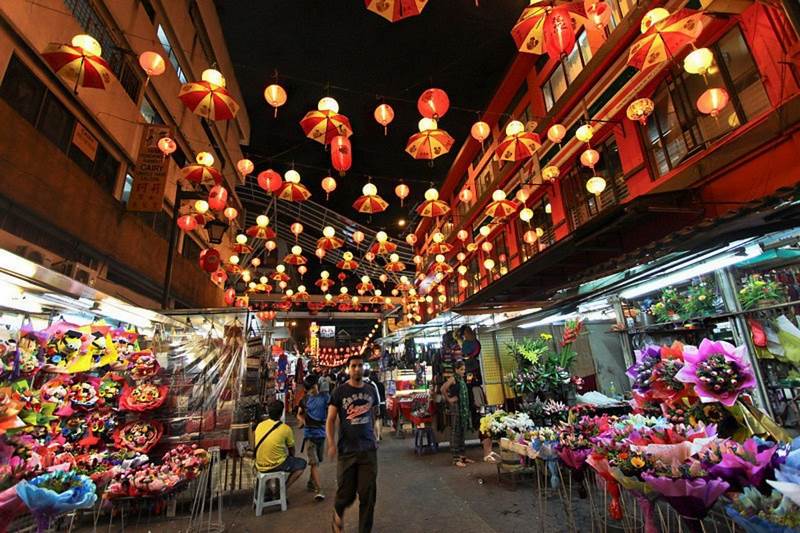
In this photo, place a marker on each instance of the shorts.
(291, 464)
(315, 448)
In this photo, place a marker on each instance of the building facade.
(677, 168)
(68, 155)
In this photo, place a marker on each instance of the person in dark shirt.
(311, 413)
(355, 405)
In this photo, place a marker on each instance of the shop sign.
(84, 141)
(327, 332)
(150, 176)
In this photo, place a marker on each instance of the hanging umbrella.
(200, 174)
(283, 306)
(343, 299)
(294, 192)
(402, 287)
(365, 287)
(208, 100)
(439, 248)
(324, 284)
(376, 300)
(295, 260)
(383, 248)
(280, 276)
(78, 66)
(664, 39)
(347, 264)
(429, 144)
(242, 249)
(370, 204)
(301, 297)
(315, 306)
(394, 10)
(501, 208)
(330, 243)
(528, 32)
(323, 126)
(441, 268)
(433, 208)
(395, 266)
(259, 232)
(230, 268)
(518, 147)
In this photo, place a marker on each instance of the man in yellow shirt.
(274, 450)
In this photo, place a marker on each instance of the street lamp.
(216, 230)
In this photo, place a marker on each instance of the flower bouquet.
(717, 371)
(759, 513)
(186, 460)
(492, 424)
(138, 435)
(143, 365)
(741, 465)
(544, 442)
(54, 493)
(757, 290)
(10, 407)
(688, 488)
(143, 397)
(787, 475)
(698, 301)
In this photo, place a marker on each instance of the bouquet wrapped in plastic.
(54, 493)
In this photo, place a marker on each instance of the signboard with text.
(327, 332)
(150, 177)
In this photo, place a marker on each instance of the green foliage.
(757, 290)
(698, 300)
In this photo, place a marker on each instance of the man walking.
(312, 413)
(355, 404)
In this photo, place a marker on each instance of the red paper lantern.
(433, 103)
(328, 185)
(217, 198)
(384, 115)
(358, 237)
(402, 191)
(269, 180)
(411, 239)
(167, 146)
(713, 101)
(556, 133)
(230, 213)
(296, 228)
(558, 32)
(590, 157)
(462, 235)
(209, 260)
(187, 222)
(480, 131)
(230, 296)
(341, 153)
(219, 276)
(152, 63)
(465, 195)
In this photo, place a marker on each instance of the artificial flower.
(143, 397)
(742, 464)
(641, 372)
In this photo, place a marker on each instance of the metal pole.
(173, 241)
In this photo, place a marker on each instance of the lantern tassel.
(275, 115)
(385, 131)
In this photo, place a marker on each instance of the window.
(113, 52)
(677, 130)
(159, 222)
(500, 251)
(127, 186)
(168, 48)
(149, 113)
(46, 113)
(541, 220)
(567, 71)
(191, 250)
(483, 181)
(582, 205)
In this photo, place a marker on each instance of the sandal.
(459, 463)
(337, 525)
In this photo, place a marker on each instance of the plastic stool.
(260, 488)
(420, 436)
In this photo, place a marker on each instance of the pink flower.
(718, 371)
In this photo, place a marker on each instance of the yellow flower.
(546, 336)
(638, 462)
(702, 297)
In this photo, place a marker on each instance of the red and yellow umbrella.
(230, 268)
(343, 298)
(323, 126)
(259, 232)
(528, 32)
(208, 100)
(501, 208)
(242, 249)
(439, 248)
(295, 260)
(376, 300)
(315, 306)
(201, 174)
(330, 243)
(433, 208)
(347, 264)
(394, 10)
(429, 144)
(324, 284)
(441, 268)
(301, 296)
(365, 287)
(294, 192)
(402, 287)
(518, 147)
(78, 66)
(262, 287)
(395, 266)
(280, 276)
(383, 248)
(370, 204)
(283, 306)
(664, 39)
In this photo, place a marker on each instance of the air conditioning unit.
(78, 272)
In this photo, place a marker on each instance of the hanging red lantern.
(402, 191)
(384, 115)
(245, 166)
(269, 180)
(209, 260)
(341, 154)
(166, 146)
(230, 296)
(296, 228)
(558, 32)
(713, 101)
(590, 157)
(411, 239)
(187, 222)
(328, 185)
(462, 235)
(358, 237)
(599, 13)
(152, 63)
(230, 213)
(275, 95)
(217, 198)
(556, 133)
(433, 103)
(530, 236)
(465, 195)
(219, 276)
